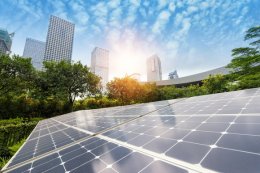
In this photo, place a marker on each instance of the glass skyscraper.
(154, 71)
(59, 42)
(34, 49)
(100, 63)
(5, 41)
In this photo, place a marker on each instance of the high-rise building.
(5, 41)
(59, 42)
(154, 71)
(99, 64)
(34, 49)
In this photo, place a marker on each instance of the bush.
(170, 92)
(194, 90)
(95, 103)
(13, 133)
(250, 81)
(215, 84)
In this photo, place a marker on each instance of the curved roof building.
(193, 79)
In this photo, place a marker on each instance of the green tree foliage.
(67, 81)
(170, 92)
(246, 61)
(126, 89)
(15, 74)
(215, 84)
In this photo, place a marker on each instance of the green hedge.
(11, 134)
(95, 103)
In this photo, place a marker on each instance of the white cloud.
(161, 21)
(114, 3)
(161, 4)
(185, 27)
(204, 5)
(30, 8)
(191, 9)
(132, 12)
(115, 18)
(172, 6)
(143, 12)
(80, 13)
(59, 9)
(178, 19)
(100, 12)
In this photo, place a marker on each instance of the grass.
(16, 147)
(13, 149)
(8, 151)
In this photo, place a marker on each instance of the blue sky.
(188, 35)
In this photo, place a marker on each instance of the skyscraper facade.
(34, 49)
(154, 71)
(59, 42)
(99, 64)
(5, 41)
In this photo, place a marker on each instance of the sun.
(127, 61)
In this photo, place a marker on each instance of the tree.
(67, 81)
(15, 74)
(215, 84)
(246, 61)
(126, 90)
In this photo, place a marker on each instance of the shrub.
(11, 134)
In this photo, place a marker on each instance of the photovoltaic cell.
(94, 155)
(218, 132)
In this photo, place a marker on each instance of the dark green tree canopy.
(247, 59)
(15, 74)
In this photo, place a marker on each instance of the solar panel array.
(212, 133)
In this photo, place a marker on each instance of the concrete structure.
(100, 63)
(5, 41)
(35, 50)
(193, 79)
(154, 71)
(173, 75)
(59, 41)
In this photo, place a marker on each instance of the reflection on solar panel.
(213, 133)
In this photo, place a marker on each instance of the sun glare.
(128, 60)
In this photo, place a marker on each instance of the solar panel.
(95, 155)
(213, 133)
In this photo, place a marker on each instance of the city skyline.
(190, 36)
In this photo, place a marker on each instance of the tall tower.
(5, 41)
(154, 71)
(59, 41)
(34, 49)
(99, 64)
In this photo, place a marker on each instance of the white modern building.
(100, 63)
(59, 42)
(34, 49)
(154, 71)
(193, 79)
